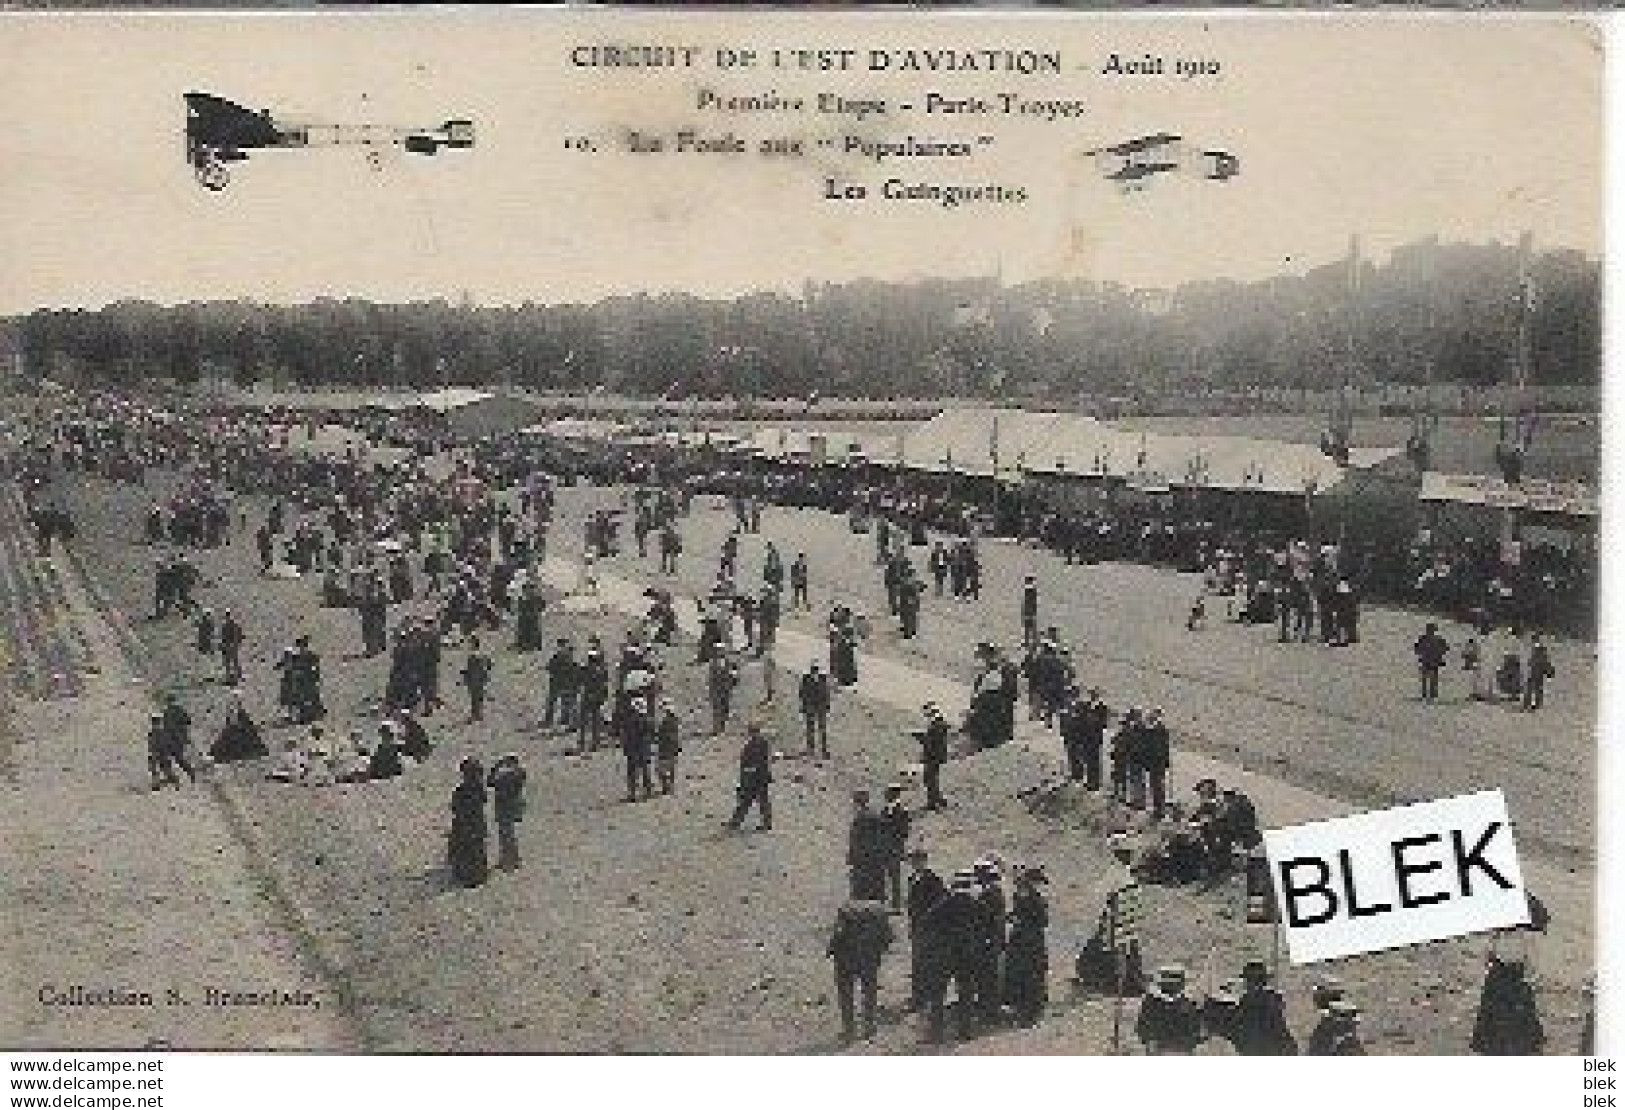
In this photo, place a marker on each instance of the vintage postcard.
(604, 531)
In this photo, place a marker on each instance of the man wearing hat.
(933, 754)
(925, 890)
(1154, 759)
(507, 782)
(1029, 611)
(1257, 1024)
(991, 939)
(1083, 734)
(1026, 968)
(637, 729)
(1338, 1031)
(895, 816)
(561, 686)
(755, 779)
(166, 747)
(476, 678)
(814, 697)
(868, 850)
(858, 941)
(952, 952)
(1169, 1022)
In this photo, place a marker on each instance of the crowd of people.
(455, 555)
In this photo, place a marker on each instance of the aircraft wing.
(215, 122)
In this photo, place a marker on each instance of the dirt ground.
(647, 928)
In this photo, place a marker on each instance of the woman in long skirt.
(466, 847)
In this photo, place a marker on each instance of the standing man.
(909, 591)
(867, 850)
(1536, 673)
(722, 675)
(895, 816)
(859, 940)
(671, 546)
(938, 562)
(815, 701)
(772, 568)
(637, 729)
(991, 907)
(755, 780)
(507, 783)
(167, 740)
(1155, 757)
(561, 686)
(592, 691)
(1431, 652)
(768, 615)
(925, 890)
(1029, 612)
(933, 754)
(798, 582)
(1083, 729)
(476, 679)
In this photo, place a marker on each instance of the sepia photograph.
(584, 531)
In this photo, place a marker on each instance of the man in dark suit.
(755, 779)
(859, 940)
(592, 691)
(1431, 652)
(1154, 759)
(867, 850)
(815, 700)
(1536, 673)
(925, 890)
(561, 686)
(933, 754)
(1083, 730)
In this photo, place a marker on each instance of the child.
(1472, 661)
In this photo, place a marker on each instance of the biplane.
(1133, 163)
(219, 132)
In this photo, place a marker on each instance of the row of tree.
(1432, 311)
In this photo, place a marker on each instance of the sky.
(1393, 128)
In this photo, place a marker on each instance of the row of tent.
(1014, 445)
(1011, 444)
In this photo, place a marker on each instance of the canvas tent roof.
(836, 446)
(447, 400)
(1532, 495)
(575, 428)
(970, 441)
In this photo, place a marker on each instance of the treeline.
(1449, 310)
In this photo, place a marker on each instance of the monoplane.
(220, 132)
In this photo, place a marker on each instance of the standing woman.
(1026, 958)
(466, 849)
(843, 647)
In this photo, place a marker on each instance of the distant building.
(473, 413)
